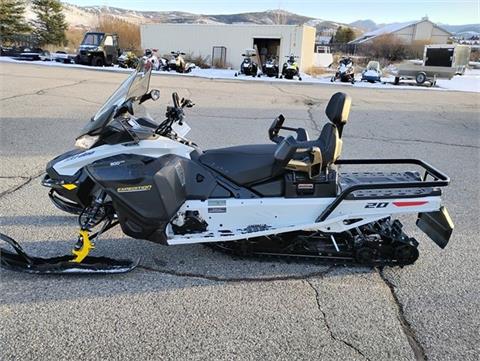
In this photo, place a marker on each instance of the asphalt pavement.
(190, 303)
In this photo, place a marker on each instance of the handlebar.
(174, 114)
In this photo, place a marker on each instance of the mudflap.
(21, 262)
(437, 225)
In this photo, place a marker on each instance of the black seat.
(244, 164)
(249, 164)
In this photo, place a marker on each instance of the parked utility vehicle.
(98, 49)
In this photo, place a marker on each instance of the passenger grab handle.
(277, 125)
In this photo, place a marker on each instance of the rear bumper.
(437, 225)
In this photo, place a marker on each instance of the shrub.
(128, 33)
(387, 46)
(202, 62)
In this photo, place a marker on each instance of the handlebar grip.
(275, 129)
(176, 100)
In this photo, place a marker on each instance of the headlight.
(86, 141)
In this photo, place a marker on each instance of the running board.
(334, 225)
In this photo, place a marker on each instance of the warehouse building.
(224, 44)
(410, 33)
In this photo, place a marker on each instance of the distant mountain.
(370, 25)
(456, 29)
(87, 17)
(365, 25)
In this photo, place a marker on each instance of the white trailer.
(442, 61)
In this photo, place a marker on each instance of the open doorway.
(267, 47)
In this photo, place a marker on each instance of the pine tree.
(344, 35)
(49, 25)
(12, 21)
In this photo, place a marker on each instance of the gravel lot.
(187, 302)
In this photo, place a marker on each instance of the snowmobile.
(372, 73)
(270, 68)
(248, 66)
(293, 197)
(291, 69)
(158, 63)
(345, 71)
(128, 59)
(178, 63)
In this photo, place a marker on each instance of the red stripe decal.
(409, 204)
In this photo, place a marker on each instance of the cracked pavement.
(189, 302)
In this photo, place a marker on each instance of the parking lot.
(188, 302)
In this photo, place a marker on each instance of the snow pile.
(469, 82)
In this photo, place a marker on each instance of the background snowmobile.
(248, 66)
(291, 69)
(372, 73)
(288, 198)
(270, 68)
(178, 63)
(158, 63)
(345, 71)
(128, 59)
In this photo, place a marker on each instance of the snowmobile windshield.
(132, 88)
(373, 65)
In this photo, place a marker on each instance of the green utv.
(98, 49)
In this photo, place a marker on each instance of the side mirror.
(243, 55)
(155, 94)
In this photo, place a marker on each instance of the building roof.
(389, 29)
(322, 39)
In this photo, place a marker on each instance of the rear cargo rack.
(439, 180)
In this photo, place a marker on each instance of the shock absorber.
(88, 219)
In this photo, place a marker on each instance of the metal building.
(224, 44)
(409, 32)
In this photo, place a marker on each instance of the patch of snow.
(469, 82)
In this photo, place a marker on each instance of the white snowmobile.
(178, 63)
(345, 71)
(158, 62)
(372, 73)
(290, 198)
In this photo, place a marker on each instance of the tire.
(332, 79)
(397, 80)
(97, 61)
(300, 78)
(420, 78)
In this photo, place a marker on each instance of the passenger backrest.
(330, 144)
(338, 109)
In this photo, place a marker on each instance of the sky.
(453, 12)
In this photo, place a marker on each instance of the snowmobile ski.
(21, 262)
